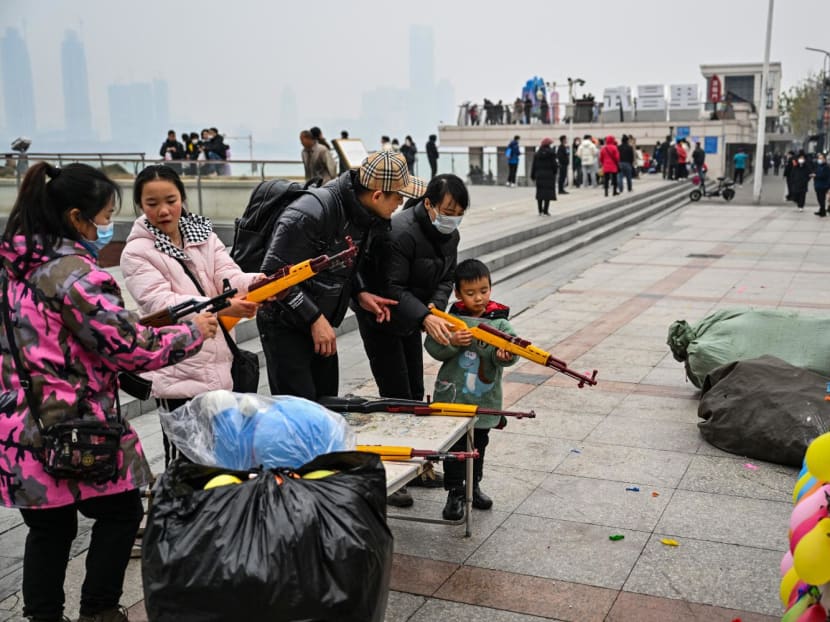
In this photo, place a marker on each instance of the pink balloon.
(786, 562)
(809, 505)
(815, 613)
(804, 527)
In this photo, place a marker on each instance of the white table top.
(435, 433)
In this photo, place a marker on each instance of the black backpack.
(252, 232)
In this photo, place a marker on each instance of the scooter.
(725, 189)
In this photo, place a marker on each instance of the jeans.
(51, 532)
(626, 172)
(589, 172)
(293, 367)
(397, 362)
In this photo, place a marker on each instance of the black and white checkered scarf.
(194, 228)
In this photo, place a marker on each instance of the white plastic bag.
(243, 430)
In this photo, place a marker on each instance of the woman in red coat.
(609, 159)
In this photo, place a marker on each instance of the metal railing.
(124, 167)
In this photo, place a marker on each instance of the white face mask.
(446, 224)
(801, 160)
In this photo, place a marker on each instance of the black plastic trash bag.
(764, 408)
(305, 549)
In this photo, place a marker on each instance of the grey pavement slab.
(714, 573)
(435, 609)
(569, 551)
(635, 432)
(401, 606)
(730, 476)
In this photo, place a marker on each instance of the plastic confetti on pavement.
(654, 493)
(750, 466)
(616, 537)
(633, 489)
(575, 451)
(669, 542)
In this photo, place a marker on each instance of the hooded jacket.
(73, 336)
(157, 280)
(317, 223)
(609, 156)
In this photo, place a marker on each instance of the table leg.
(469, 480)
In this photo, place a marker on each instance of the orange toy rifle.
(289, 276)
(516, 345)
(399, 453)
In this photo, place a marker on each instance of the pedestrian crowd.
(206, 152)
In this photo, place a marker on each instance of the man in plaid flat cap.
(297, 332)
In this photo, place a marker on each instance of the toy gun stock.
(399, 453)
(414, 407)
(289, 276)
(516, 345)
(172, 314)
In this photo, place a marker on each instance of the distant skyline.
(270, 70)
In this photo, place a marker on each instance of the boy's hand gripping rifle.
(291, 275)
(516, 345)
(413, 407)
(135, 385)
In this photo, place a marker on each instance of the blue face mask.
(105, 233)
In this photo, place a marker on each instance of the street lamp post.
(762, 114)
(822, 100)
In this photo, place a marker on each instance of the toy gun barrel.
(172, 314)
(414, 407)
(397, 452)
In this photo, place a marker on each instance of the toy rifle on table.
(516, 345)
(291, 275)
(399, 453)
(355, 404)
(135, 385)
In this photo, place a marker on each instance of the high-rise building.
(77, 113)
(135, 109)
(421, 58)
(18, 91)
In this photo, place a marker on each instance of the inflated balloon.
(818, 457)
(795, 610)
(811, 558)
(801, 530)
(222, 480)
(786, 562)
(788, 583)
(798, 592)
(321, 474)
(803, 485)
(815, 613)
(809, 505)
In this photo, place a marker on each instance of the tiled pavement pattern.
(559, 481)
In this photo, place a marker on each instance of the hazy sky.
(228, 61)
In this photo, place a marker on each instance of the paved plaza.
(564, 482)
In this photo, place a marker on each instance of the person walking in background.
(385, 143)
(626, 152)
(528, 108)
(821, 183)
(776, 163)
(588, 155)
(66, 335)
(317, 160)
(432, 155)
(682, 171)
(512, 154)
(518, 111)
(609, 159)
(698, 160)
(471, 373)
(576, 163)
(172, 256)
(671, 162)
(544, 171)
(317, 134)
(564, 157)
(409, 151)
(788, 167)
(799, 180)
(172, 150)
(740, 166)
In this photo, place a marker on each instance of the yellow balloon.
(811, 559)
(818, 457)
(318, 474)
(222, 480)
(788, 583)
